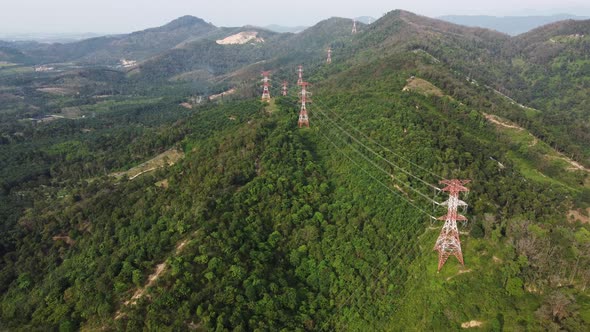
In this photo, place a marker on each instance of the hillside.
(134, 202)
(530, 68)
(219, 60)
(135, 46)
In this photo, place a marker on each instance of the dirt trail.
(64, 238)
(494, 119)
(459, 273)
(535, 140)
(140, 292)
(151, 280)
(181, 246)
(576, 215)
(575, 165)
(159, 271)
(142, 172)
(470, 324)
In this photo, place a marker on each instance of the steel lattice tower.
(353, 26)
(284, 88)
(329, 59)
(300, 75)
(265, 85)
(303, 118)
(448, 242)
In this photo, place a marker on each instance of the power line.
(374, 178)
(375, 275)
(375, 153)
(381, 146)
(391, 175)
(396, 257)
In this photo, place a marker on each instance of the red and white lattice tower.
(300, 75)
(265, 85)
(353, 26)
(284, 88)
(304, 94)
(448, 242)
(329, 59)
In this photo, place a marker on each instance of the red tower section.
(448, 242)
(300, 75)
(304, 94)
(265, 85)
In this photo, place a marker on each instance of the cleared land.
(57, 91)
(241, 38)
(169, 157)
(418, 85)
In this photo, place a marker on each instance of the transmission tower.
(353, 26)
(300, 75)
(448, 242)
(329, 59)
(265, 85)
(303, 118)
(284, 88)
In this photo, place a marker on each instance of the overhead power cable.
(374, 275)
(375, 153)
(374, 178)
(377, 143)
(389, 174)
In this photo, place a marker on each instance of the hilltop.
(110, 49)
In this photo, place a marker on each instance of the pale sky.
(121, 16)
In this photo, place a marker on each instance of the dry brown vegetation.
(421, 86)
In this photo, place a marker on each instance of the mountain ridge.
(512, 25)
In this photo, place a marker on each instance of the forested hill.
(139, 201)
(136, 46)
(545, 69)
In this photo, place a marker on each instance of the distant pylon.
(284, 88)
(265, 85)
(353, 26)
(303, 118)
(300, 75)
(329, 59)
(448, 242)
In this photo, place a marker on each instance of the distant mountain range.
(283, 29)
(296, 29)
(366, 19)
(42, 37)
(110, 49)
(512, 25)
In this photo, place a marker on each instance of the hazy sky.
(112, 16)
